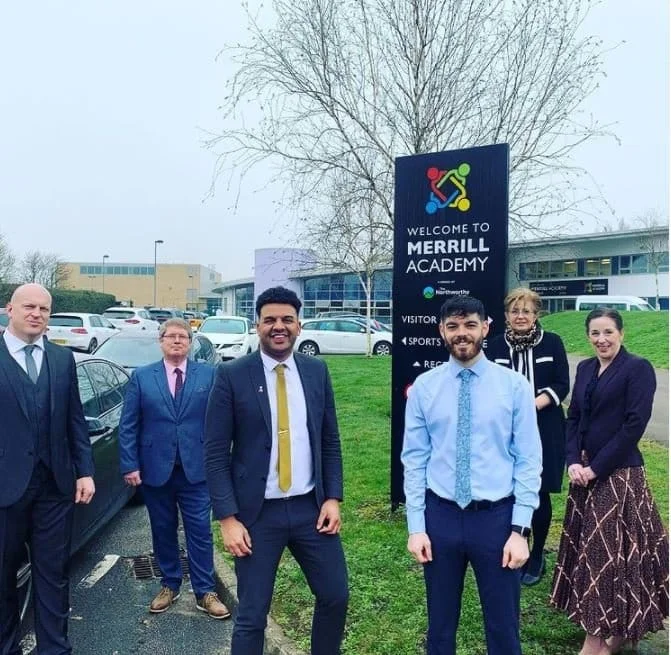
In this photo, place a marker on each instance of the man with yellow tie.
(274, 470)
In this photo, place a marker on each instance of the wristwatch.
(525, 532)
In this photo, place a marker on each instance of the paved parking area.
(109, 614)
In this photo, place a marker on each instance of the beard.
(467, 354)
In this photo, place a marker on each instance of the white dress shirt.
(302, 473)
(16, 345)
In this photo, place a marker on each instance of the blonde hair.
(522, 294)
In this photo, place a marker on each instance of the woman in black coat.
(540, 356)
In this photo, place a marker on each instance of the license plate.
(60, 342)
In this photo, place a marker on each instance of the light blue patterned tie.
(462, 490)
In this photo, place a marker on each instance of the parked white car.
(130, 318)
(232, 336)
(79, 331)
(339, 336)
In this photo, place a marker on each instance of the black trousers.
(291, 524)
(459, 537)
(42, 518)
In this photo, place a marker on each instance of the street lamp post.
(105, 257)
(188, 292)
(155, 247)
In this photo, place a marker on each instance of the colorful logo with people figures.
(448, 188)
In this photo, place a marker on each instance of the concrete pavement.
(658, 428)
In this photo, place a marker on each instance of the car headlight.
(237, 347)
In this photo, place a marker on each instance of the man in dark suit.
(161, 447)
(46, 466)
(274, 470)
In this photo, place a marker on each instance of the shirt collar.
(14, 344)
(269, 363)
(454, 367)
(170, 368)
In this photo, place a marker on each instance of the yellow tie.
(283, 434)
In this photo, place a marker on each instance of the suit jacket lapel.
(9, 369)
(162, 383)
(50, 360)
(258, 380)
(309, 386)
(189, 385)
(611, 373)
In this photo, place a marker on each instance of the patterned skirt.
(612, 573)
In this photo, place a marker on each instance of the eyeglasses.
(176, 337)
(524, 312)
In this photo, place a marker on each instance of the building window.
(639, 263)
(598, 267)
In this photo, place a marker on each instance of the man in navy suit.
(274, 470)
(161, 447)
(46, 466)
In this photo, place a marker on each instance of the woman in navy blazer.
(612, 568)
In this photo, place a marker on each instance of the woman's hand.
(575, 474)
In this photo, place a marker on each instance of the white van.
(621, 303)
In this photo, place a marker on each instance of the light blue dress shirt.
(506, 456)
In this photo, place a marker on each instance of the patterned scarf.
(530, 339)
(521, 350)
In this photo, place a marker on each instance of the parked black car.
(162, 314)
(102, 385)
(131, 349)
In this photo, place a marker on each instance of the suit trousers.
(477, 536)
(193, 502)
(42, 518)
(291, 523)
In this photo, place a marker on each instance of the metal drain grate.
(145, 567)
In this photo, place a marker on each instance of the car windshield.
(4, 320)
(130, 352)
(223, 326)
(119, 313)
(66, 321)
(160, 314)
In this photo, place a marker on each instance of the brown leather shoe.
(163, 600)
(211, 604)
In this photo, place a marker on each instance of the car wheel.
(92, 346)
(309, 348)
(24, 584)
(382, 348)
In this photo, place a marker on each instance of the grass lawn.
(387, 607)
(645, 334)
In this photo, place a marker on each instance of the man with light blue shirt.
(472, 466)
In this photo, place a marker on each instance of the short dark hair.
(462, 306)
(280, 296)
(607, 312)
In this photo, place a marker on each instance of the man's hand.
(329, 518)
(85, 490)
(236, 538)
(515, 551)
(419, 546)
(133, 479)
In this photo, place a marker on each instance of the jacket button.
(268, 447)
(263, 478)
(30, 452)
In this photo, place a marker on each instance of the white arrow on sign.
(417, 365)
(403, 341)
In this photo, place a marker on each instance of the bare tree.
(348, 85)
(350, 235)
(654, 242)
(7, 261)
(44, 268)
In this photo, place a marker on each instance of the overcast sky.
(102, 106)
